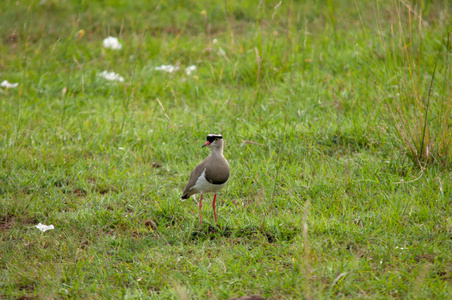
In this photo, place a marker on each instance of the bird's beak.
(206, 144)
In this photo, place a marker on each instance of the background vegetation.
(337, 121)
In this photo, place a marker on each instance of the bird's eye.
(216, 139)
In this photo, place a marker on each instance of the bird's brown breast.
(217, 171)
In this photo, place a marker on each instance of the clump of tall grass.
(418, 92)
(421, 117)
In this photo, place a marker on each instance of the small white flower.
(112, 43)
(111, 76)
(44, 228)
(167, 68)
(215, 41)
(190, 69)
(8, 85)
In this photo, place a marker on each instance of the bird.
(210, 175)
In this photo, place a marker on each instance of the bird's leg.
(200, 213)
(213, 205)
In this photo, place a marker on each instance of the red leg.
(200, 213)
(213, 205)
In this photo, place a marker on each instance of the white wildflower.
(167, 68)
(111, 76)
(44, 228)
(112, 43)
(8, 85)
(190, 69)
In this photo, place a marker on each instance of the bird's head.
(214, 141)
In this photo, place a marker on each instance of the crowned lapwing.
(210, 175)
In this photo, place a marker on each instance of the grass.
(322, 105)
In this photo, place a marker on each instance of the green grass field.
(337, 117)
